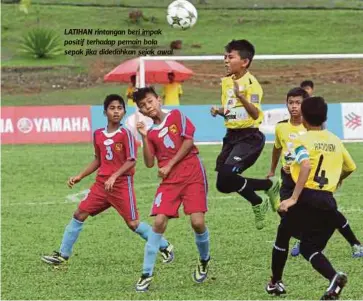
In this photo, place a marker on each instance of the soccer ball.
(181, 14)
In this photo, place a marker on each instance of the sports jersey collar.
(159, 126)
(109, 135)
(295, 125)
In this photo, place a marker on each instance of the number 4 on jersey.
(321, 179)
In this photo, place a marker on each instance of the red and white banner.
(55, 124)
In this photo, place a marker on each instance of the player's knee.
(306, 250)
(223, 182)
(283, 237)
(198, 223)
(80, 215)
(160, 223)
(132, 224)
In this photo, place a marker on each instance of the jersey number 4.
(109, 155)
(320, 178)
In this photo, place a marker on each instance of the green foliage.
(41, 43)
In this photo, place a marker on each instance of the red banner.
(56, 124)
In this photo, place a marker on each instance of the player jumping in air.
(321, 163)
(115, 160)
(184, 181)
(243, 142)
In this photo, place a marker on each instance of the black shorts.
(311, 202)
(241, 148)
(287, 185)
(318, 226)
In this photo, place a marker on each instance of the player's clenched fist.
(73, 180)
(214, 111)
(141, 128)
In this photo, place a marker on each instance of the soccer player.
(130, 90)
(184, 180)
(321, 164)
(115, 160)
(172, 91)
(286, 133)
(308, 86)
(243, 142)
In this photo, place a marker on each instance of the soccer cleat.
(201, 271)
(143, 283)
(260, 213)
(295, 251)
(336, 286)
(357, 251)
(167, 253)
(274, 193)
(277, 288)
(55, 259)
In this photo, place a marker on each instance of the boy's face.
(115, 112)
(309, 90)
(294, 105)
(150, 105)
(234, 63)
(171, 77)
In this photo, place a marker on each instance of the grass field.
(222, 4)
(107, 258)
(272, 32)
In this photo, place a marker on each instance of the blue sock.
(151, 249)
(70, 236)
(144, 229)
(202, 241)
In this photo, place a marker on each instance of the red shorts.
(122, 198)
(187, 184)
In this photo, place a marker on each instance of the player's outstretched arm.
(214, 111)
(276, 153)
(90, 168)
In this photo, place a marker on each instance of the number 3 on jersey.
(109, 155)
(321, 179)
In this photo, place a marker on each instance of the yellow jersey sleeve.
(348, 163)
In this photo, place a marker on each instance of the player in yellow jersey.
(172, 91)
(130, 90)
(286, 134)
(321, 164)
(243, 142)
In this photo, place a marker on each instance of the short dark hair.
(110, 98)
(307, 83)
(314, 110)
(140, 93)
(297, 91)
(245, 49)
(133, 77)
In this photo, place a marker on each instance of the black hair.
(110, 98)
(307, 83)
(133, 77)
(245, 49)
(314, 110)
(140, 93)
(297, 91)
